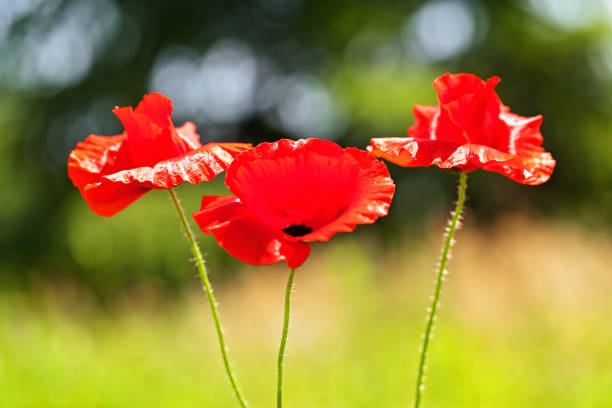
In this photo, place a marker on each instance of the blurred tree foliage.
(260, 70)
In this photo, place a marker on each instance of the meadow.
(525, 322)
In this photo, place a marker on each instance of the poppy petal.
(370, 198)
(471, 111)
(113, 171)
(309, 183)
(292, 192)
(532, 169)
(157, 108)
(108, 198)
(195, 167)
(524, 132)
(423, 118)
(187, 132)
(410, 152)
(413, 152)
(101, 169)
(469, 129)
(149, 143)
(241, 234)
(534, 165)
(293, 182)
(451, 87)
(113, 192)
(96, 156)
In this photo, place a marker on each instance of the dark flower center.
(297, 230)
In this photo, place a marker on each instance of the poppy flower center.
(297, 230)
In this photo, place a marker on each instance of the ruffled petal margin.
(470, 129)
(413, 152)
(241, 234)
(149, 143)
(101, 169)
(107, 199)
(452, 87)
(525, 140)
(314, 183)
(95, 156)
(195, 167)
(530, 167)
(370, 198)
(156, 107)
(289, 182)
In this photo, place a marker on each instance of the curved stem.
(283, 343)
(209, 294)
(448, 242)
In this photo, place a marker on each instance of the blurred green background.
(106, 312)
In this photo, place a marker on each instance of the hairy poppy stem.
(283, 343)
(209, 294)
(433, 309)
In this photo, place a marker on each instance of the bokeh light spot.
(440, 30)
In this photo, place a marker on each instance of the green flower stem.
(283, 343)
(209, 293)
(448, 241)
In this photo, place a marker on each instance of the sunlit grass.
(525, 322)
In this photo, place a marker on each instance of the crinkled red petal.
(468, 112)
(529, 167)
(370, 199)
(477, 114)
(188, 134)
(156, 107)
(452, 87)
(471, 129)
(148, 143)
(195, 167)
(293, 182)
(532, 169)
(101, 168)
(524, 132)
(413, 152)
(241, 234)
(96, 156)
(423, 117)
(524, 140)
(107, 199)
(311, 182)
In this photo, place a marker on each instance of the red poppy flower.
(289, 193)
(470, 129)
(111, 172)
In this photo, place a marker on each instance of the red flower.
(289, 193)
(471, 129)
(111, 172)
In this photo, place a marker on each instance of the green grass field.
(526, 322)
